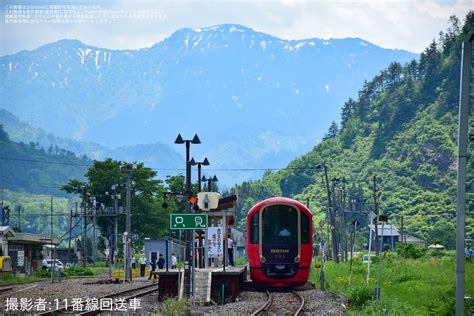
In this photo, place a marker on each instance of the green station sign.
(188, 221)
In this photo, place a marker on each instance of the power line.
(163, 169)
(46, 161)
(160, 169)
(35, 185)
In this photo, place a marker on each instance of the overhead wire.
(163, 169)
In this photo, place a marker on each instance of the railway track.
(279, 303)
(123, 295)
(5, 289)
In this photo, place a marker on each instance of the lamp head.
(179, 140)
(195, 140)
(205, 162)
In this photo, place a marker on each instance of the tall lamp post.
(188, 234)
(205, 162)
(209, 180)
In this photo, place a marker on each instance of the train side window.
(305, 232)
(254, 228)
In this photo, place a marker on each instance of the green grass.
(408, 286)
(174, 307)
(101, 270)
(240, 261)
(10, 279)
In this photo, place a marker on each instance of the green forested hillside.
(34, 216)
(30, 168)
(402, 129)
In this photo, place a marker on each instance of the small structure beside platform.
(166, 247)
(211, 284)
(24, 249)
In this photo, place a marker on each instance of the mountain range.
(256, 101)
(154, 154)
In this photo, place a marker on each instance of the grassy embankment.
(42, 275)
(420, 286)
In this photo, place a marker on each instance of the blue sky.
(403, 24)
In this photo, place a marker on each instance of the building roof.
(26, 238)
(409, 238)
(7, 231)
(169, 238)
(388, 230)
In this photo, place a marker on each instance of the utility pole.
(462, 159)
(128, 221)
(75, 235)
(94, 234)
(70, 237)
(332, 217)
(52, 252)
(128, 224)
(84, 224)
(334, 228)
(383, 219)
(343, 222)
(115, 227)
(19, 218)
(376, 223)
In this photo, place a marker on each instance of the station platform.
(211, 284)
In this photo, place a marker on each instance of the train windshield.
(280, 224)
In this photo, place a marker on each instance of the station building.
(392, 236)
(24, 249)
(153, 249)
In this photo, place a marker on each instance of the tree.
(332, 132)
(148, 217)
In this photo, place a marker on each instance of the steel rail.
(302, 303)
(265, 306)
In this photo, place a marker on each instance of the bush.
(391, 307)
(173, 306)
(77, 270)
(406, 276)
(43, 273)
(360, 296)
(9, 279)
(436, 253)
(411, 251)
(240, 261)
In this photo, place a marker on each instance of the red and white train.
(280, 242)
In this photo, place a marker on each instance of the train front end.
(280, 242)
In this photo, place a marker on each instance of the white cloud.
(406, 24)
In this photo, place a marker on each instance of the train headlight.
(297, 259)
(262, 259)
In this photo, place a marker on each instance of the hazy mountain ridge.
(218, 81)
(153, 155)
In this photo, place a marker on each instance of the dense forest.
(34, 169)
(402, 129)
